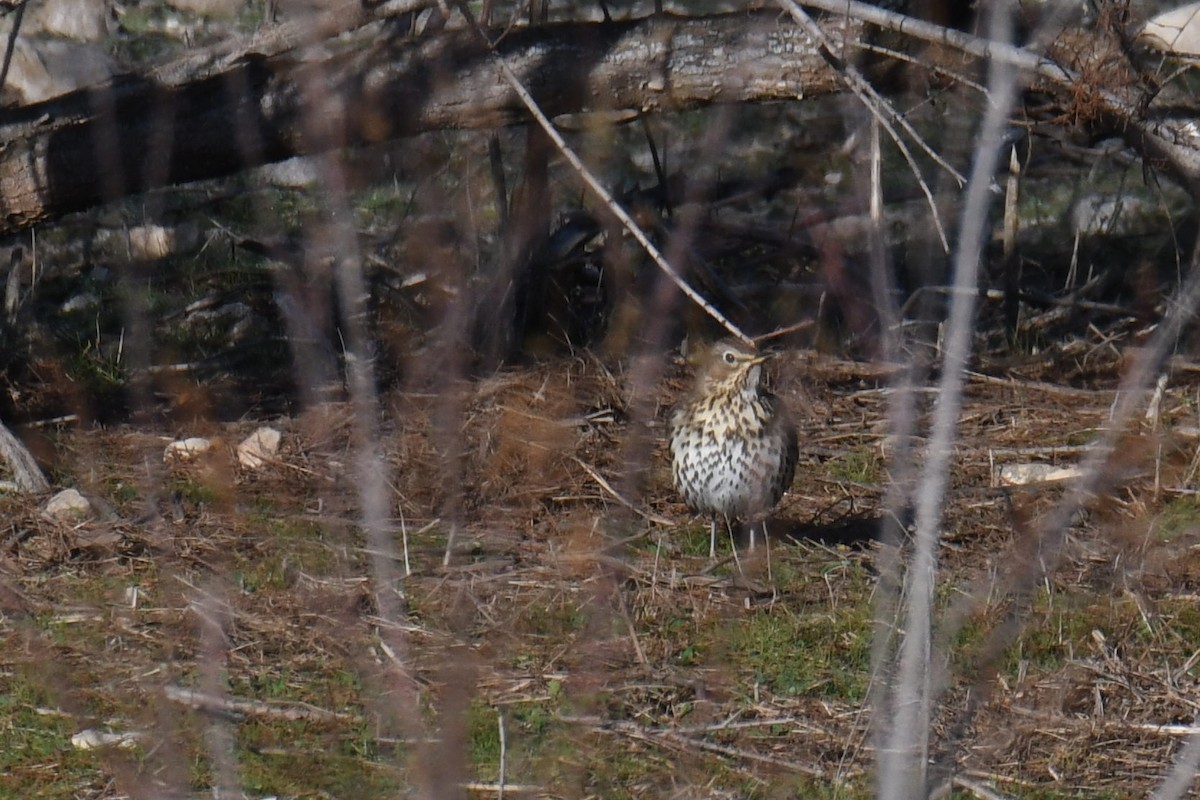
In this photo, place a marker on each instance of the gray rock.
(187, 449)
(45, 68)
(81, 20)
(67, 506)
(259, 447)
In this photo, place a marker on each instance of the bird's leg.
(733, 545)
(712, 536)
(767, 544)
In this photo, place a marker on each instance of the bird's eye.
(730, 357)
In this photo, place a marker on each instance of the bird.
(733, 443)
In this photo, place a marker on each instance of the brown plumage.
(733, 443)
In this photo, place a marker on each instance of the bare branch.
(62, 156)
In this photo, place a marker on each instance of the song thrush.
(733, 443)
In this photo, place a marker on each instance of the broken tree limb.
(27, 475)
(101, 144)
(207, 118)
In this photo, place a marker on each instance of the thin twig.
(212, 703)
(633, 637)
(503, 755)
(491, 788)
(1037, 386)
(12, 42)
(593, 183)
(404, 543)
(978, 789)
(608, 487)
(1166, 138)
(677, 739)
(881, 110)
(985, 49)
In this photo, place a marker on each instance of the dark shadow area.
(854, 532)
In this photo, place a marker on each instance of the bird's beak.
(759, 359)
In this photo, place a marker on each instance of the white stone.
(1176, 31)
(68, 506)
(295, 173)
(185, 449)
(150, 242)
(80, 302)
(90, 738)
(258, 447)
(1024, 474)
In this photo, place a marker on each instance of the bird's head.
(731, 365)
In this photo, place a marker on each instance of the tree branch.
(199, 119)
(102, 144)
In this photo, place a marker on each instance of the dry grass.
(575, 640)
(618, 660)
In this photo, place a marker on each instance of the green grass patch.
(1065, 628)
(624, 773)
(192, 491)
(810, 788)
(301, 545)
(860, 465)
(824, 654)
(531, 736)
(561, 617)
(693, 540)
(381, 205)
(1180, 515)
(36, 755)
(121, 493)
(483, 740)
(1026, 342)
(99, 372)
(299, 759)
(1040, 793)
(322, 684)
